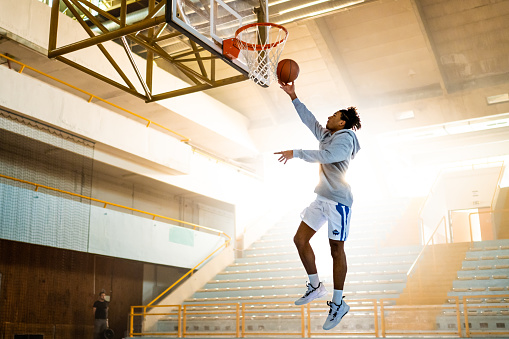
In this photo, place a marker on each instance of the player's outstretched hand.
(289, 88)
(285, 156)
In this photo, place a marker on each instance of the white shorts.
(322, 210)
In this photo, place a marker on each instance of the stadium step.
(434, 274)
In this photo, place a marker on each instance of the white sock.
(314, 280)
(337, 296)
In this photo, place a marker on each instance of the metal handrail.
(287, 309)
(106, 203)
(92, 96)
(424, 248)
(481, 212)
(132, 314)
(377, 309)
(235, 311)
(408, 308)
(500, 175)
(225, 244)
(468, 332)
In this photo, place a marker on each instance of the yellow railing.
(482, 307)
(190, 272)
(387, 318)
(404, 314)
(144, 314)
(251, 309)
(93, 96)
(357, 307)
(479, 213)
(497, 188)
(106, 204)
(227, 310)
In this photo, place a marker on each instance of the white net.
(261, 46)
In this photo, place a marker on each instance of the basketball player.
(337, 145)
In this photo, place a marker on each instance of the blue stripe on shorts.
(343, 211)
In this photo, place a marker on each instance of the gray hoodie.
(334, 154)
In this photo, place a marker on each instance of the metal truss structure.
(148, 37)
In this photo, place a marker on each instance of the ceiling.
(391, 51)
(437, 59)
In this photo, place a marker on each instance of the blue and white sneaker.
(336, 313)
(311, 294)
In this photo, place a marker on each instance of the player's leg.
(315, 289)
(339, 264)
(312, 219)
(338, 307)
(301, 240)
(339, 227)
(339, 224)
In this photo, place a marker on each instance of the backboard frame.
(148, 36)
(173, 19)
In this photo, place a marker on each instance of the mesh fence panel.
(41, 154)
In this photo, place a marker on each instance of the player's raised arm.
(305, 115)
(289, 88)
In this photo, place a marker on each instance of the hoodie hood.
(356, 146)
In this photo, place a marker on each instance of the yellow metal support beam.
(139, 37)
(139, 26)
(100, 46)
(53, 28)
(198, 88)
(150, 54)
(123, 13)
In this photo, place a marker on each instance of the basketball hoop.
(261, 45)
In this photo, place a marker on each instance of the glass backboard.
(209, 22)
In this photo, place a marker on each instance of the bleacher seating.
(268, 277)
(483, 282)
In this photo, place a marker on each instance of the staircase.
(434, 274)
(428, 285)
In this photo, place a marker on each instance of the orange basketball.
(287, 71)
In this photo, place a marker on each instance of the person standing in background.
(101, 307)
